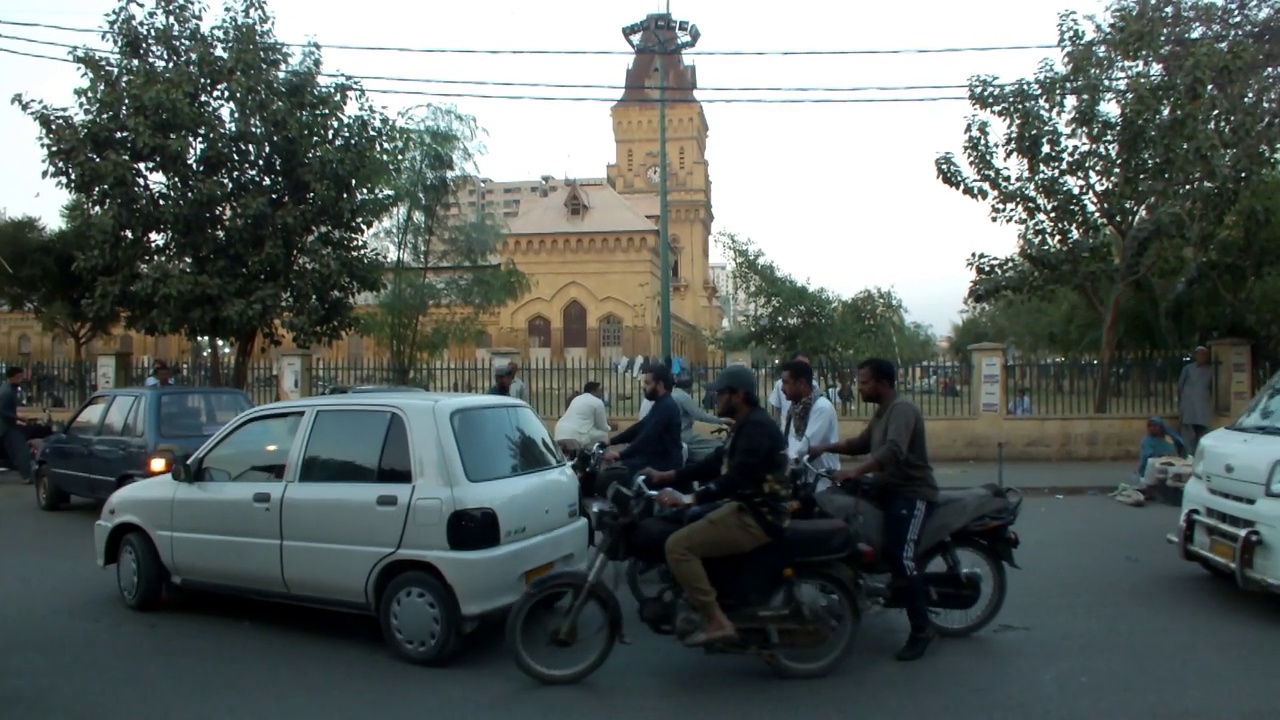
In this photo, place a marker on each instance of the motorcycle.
(795, 602)
(977, 521)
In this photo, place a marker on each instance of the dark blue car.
(113, 439)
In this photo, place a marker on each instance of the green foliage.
(787, 315)
(233, 186)
(1122, 164)
(42, 276)
(443, 274)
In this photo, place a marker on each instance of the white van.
(1230, 521)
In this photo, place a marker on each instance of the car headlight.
(1273, 481)
(1197, 464)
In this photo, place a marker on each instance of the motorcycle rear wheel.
(786, 662)
(998, 578)
(553, 601)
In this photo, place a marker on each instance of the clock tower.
(635, 174)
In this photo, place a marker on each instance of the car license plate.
(1222, 549)
(537, 572)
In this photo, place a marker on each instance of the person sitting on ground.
(1159, 442)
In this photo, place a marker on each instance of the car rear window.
(197, 414)
(501, 442)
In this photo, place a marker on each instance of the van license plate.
(537, 572)
(1222, 550)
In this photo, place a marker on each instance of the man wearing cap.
(502, 377)
(159, 375)
(749, 472)
(1195, 398)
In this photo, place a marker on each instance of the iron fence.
(1140, 384)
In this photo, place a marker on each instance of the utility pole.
(660, 35)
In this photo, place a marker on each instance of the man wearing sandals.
(750, 472)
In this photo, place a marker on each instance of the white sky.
(844, 194)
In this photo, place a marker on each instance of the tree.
(785, 314)
(233, 184)
(443, 274)
(43, 276)
(1122, 163)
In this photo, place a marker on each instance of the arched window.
(611, 331)
(24, 344)
(574, 319)
(539, 332)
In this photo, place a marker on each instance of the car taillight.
(158, 465)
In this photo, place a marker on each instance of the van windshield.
(1263, 414)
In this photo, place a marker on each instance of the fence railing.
(1140, 385)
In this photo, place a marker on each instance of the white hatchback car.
(1230, 520)
(427, 510)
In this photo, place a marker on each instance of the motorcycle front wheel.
(536, 626)
(838, 610)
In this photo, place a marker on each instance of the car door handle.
(262, 497)
(387, 501)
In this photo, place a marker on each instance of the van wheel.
(420, 619)
(139, 572)
(48, 497)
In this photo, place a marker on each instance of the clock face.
(654, 173)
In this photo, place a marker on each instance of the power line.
(548, 85)
(474, 51)
(552, 98)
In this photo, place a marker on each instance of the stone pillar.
(987, 393)
(294, 377)
(114, 370)
(1233, 380)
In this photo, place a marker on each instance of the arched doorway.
(574, 319)
(539, 332)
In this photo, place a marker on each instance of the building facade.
(589, 246)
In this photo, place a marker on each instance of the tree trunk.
(77, 361)
(215, 362)
(244, 353)
(1110, 334)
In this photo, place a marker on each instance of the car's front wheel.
(139, 572)
(48, 497)
(420, 619)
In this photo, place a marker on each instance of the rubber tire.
(52, 499)
(450, 637)
(520, 611)
(1001, 580)
(151, 572)
(783, 670)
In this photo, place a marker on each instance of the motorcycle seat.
(817, 538)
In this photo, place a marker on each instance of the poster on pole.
(990, 388)
(290, 377)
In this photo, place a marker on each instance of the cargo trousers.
(729, 530)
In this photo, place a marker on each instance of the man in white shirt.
(811, 416)
(778, 401)
(585, 420)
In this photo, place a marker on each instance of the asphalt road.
(1104, 623)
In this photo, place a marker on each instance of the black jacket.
(654, 441)
(750, 469)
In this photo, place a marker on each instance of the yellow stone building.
(589, 246)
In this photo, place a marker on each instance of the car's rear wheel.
(139, 572)
(48, 497)
(420, 619)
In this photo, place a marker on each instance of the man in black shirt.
(653, 442)
(11, 434)
(895, 443)
(749, 472)
(502, 377)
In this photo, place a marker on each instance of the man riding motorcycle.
(700, 446)
(750, 472)
(894, 440)
(654, 441)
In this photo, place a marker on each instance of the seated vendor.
(1160, 441)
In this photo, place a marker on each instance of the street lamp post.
(661, 35)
